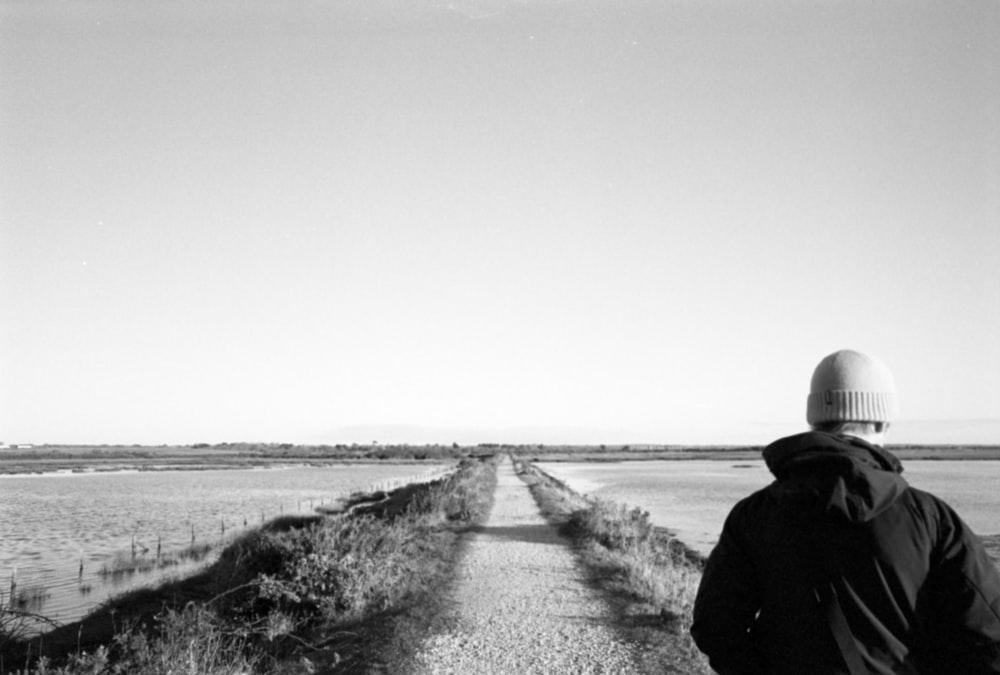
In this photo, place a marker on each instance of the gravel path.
(521, 603)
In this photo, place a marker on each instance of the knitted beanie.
(848, 386)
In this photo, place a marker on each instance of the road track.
(521, 605)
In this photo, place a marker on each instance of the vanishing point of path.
(521, 603)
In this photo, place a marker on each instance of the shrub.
(612, 525)
(191, 641)
(343, 571)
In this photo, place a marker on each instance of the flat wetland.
(82, 524)
(94, 458)
(557, 453)
(690, 492)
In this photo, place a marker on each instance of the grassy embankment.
(298, 595)
(649, 577)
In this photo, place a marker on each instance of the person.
(839, 565)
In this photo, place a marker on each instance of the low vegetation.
(298, 595)
(202, 456)
(649, 577)
(647, 452)
(123, 565)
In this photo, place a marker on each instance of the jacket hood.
(822, 474)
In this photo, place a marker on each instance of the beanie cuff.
(842, 405)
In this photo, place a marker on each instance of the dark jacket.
(918, 590)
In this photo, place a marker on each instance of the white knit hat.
(848, 386)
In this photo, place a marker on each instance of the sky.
(519, 221)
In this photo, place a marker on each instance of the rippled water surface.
(50, 525)
(693, 498)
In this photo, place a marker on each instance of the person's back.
(839, 560)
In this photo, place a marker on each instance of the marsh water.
(57, 531)
(692, 498)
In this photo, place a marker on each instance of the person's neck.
(875, 437)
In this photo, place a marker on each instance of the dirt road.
(521, 605)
